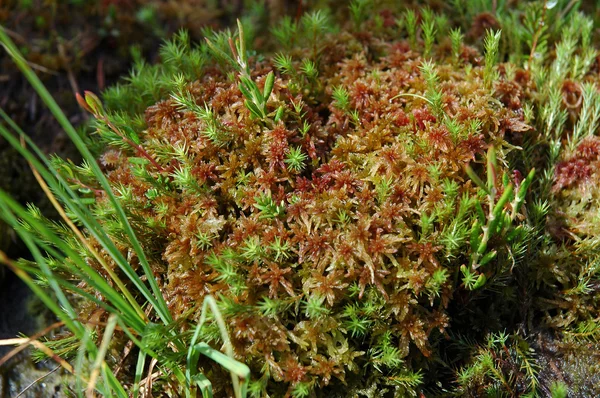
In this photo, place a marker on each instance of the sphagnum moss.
(361, 197)
(327, 273)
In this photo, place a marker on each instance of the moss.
(362, 200)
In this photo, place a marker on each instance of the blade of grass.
(103, 349)
(57, 185)
(161, 305)
(139, 372)
(236, 369)
(88, 273)
(79, 361)
(70, 313)
(86, 243)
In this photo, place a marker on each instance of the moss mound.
(373, 203)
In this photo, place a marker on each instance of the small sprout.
(358, 13)
(491, 44)
(315, 23)
(305, 128)
(270, 307)
(442, 24)
(204, 240)
(559, 389)
(472, 280)
(383, 188)
(341, 98)
(301, 390)
(184, 179)
(298, 108)
(355, 116)
(309, 69)
(410, 22)
(356, 323)
(243, 178)
(342, 217)
(252, 249)
(429, 32)
(456, 37)
(314, 307)
(285, 32)
(152, 193)
(453, 238)
(426, 225)
(161, 209)
(281, 250)
(433, 95)
(284, 63)
(437, 280)
(295, 159)
(435, 171)
(267, 207)
(385, 353)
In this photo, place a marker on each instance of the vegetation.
(385, 207)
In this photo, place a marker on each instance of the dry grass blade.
(40, 346)
(25, 344)
(108, 334)
(150, 378)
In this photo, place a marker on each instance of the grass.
(132, 304)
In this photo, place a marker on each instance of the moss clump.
(362, 197)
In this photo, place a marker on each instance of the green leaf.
(269, 82)
(242, 41)
(132, 134)
(502, 201)
(482, 248)
(475, 235)
(244, 88)
(480, 212)
(480, 282)
(523, 190)
(488, 257)
(279, 114)
(253, 109)
(476, 179)
(491, 169)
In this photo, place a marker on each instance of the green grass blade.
(87, 273)
(160, 305)
(67, 309)
(194, 350)
(241, 370)
(79, 361)
(139, 371)
(61, 188)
